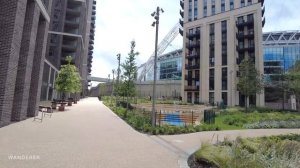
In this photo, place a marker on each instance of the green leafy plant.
(68, 79)
(250, 81)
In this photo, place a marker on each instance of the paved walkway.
(89, 135)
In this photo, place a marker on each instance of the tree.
(250, 82)
(293, 77)
(130, 72)
(68, 79)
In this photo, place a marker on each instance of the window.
(231, 4)
(249, 2)
(195, 9)
(242, 3)
(224, 98)
(204, 8)
(224, 78)
(211, 79)
(213, 7)
(222, 5)
(224, 25)
(190, 10)
(211, 97)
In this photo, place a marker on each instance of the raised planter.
(62, 107)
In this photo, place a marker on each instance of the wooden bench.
(45, 110)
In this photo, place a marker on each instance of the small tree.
(130, 72)
(250, 82)
(293, 77)
(68, 79)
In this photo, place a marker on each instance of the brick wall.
(12, 15)
(38, 66)
(28, 43)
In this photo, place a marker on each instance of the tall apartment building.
(23, 38)
(218, 35)
(71, 33)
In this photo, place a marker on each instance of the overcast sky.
(119, 22)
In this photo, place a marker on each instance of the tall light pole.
(118, 77)
(155, 14)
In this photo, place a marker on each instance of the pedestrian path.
(89, 135)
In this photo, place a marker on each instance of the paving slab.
(87, 135)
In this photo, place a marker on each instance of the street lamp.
(155, 14)
(118, 78)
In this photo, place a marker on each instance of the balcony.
(182, 4)
(93, 18)
(71, 24)
(192, 35)
(93, 13)
(191, 88)
(262, 2)
(73, 12)
(242, 23)
(191, 67)
(263, 12)
(94, 7)
(263, 22)
(242, 35)
(181, 12)
(193, 45)
(90, 53)
(91, 47)
(189, 78)
(241, 49)
(94, 2)
(69, 47)
(181, 31)
(192, 56)
(91, 42)
(181, 22)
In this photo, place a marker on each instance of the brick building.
(71, 33)
(23, 37)
(35, 38)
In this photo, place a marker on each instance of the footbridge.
(98, 79)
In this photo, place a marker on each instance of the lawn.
(236, 118)
(275, 151)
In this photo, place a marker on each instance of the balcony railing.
(181, 12)
(193, 45)
(242, 23)
(189, 77)
(181, 22)
(191, 88)
(181, 31)
(193, 34)
(242, 35)
(193, 56)
(182, 4)
(245, 48)
(192, 66)
(74, 12)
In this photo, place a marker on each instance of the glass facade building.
(281, 51)
(169, 67)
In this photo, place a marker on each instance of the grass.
(275, 151)
(235, 118)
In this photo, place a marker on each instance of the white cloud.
(119, 22)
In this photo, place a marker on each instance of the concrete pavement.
(89, 135)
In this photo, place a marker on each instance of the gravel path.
(89, 135)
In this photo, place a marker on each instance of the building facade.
(71, 33)
(218, 35)
(23, 38)
(169, 67)
(281, 51)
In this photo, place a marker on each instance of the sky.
(121, 21)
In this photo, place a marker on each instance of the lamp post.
(118, 77)
(155, 14)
